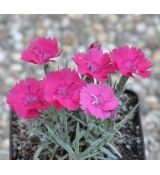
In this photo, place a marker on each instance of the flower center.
(129, 65)
(30, 99)
(62, 90)
(92, 68)
(96, 100)
(42, 54)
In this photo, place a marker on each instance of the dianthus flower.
(41, 51)
(94, 63)
(130, 61)
(62, 89)
(98, 100)
(26, 98)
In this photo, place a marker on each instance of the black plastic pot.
(136, 121)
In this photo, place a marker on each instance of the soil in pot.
(130, 144)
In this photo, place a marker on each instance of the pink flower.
(94, 63)
(41, 51)
(26, 98)
(62, 89)
(131, 60)
(98, 100)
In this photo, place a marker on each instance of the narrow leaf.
(115, 149)
(61, 143)
(128, 116)
(39, 150)
(108, 153)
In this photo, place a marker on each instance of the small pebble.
(141, 27)
(16, 67)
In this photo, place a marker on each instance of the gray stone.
(150, 31)
(5, 144)
(2, 56)
(16, 67)
(17, 36)
(47, 23)
(112, 18)
(65, 22)
(151, 99)
(156, 56)
(18, 46)
(98, 27)
(10, 81)
(141, 27)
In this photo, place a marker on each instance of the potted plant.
(81, 113)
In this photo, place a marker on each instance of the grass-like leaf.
(127, 117)
(108, 152)
(114, 149)
(61, 143)
(39, 150)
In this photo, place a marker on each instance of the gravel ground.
(75, 32)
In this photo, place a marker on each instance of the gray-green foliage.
(74, 135)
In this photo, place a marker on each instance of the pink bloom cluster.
(65, 89)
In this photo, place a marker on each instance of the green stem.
(109, 125)
(122, 82)
(46, 69)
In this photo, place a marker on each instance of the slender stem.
(46, 69)
(122, 82)
(109, 125)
